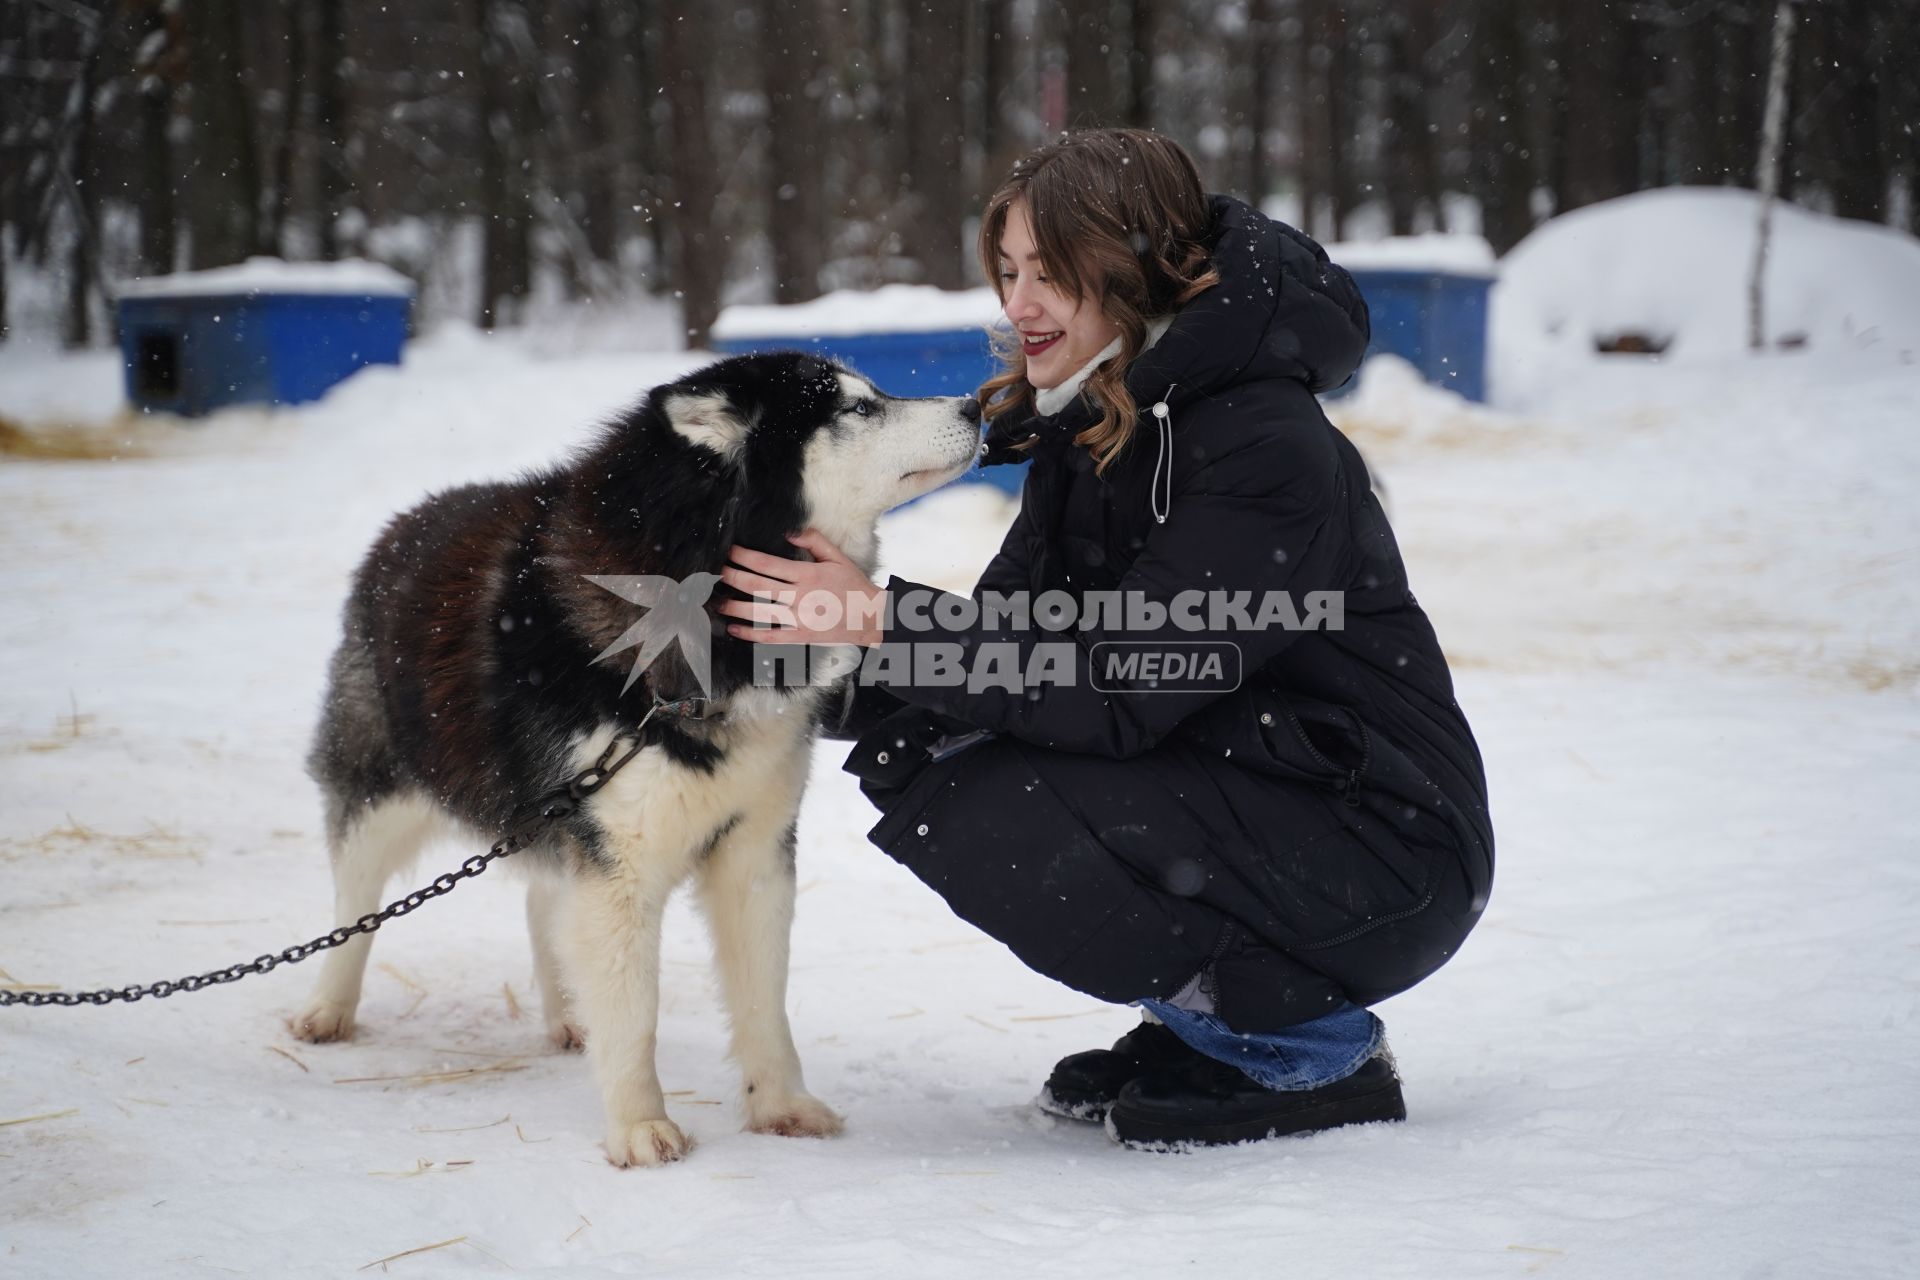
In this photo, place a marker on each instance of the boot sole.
(1086, 1110)
(1149, 1133)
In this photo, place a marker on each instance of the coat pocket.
(1300, 739)
(1332, 736)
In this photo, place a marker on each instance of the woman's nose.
(1020, 304)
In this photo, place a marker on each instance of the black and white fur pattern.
(466, 685)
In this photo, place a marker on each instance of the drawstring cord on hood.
(1051, 401)
(1163, 415)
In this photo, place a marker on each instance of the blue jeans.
(1304, 1056)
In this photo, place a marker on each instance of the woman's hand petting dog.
(828, 600)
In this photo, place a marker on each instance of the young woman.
(1255, 858)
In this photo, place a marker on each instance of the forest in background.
(506, 151)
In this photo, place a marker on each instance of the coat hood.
(1281, 310)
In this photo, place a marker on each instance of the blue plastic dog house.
(1427, 298)
(267, 332)
(911, 340)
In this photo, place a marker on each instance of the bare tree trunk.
(225, 175)
(1894, 119)
(999, 136)
(506, 256)
(1411, 179)
(700, 251)
(996, 80)
(1503, 162)
(1640, 102)
(597, 69)
(1602, 102)
(1682, 109)
(1847, 120)
(649, 154)
(292, 122)
(934, 175)
(558, 111)
(157, 65)
(790, 74)
(888, 28)
(1141, 94)
(1308, 90)
(1050, 69)
(1331, 52)
(335, 175)
(1768, 179)
(83, 259)
(1903, 108)
(1263, 48)
(1090, 39)
(865, 199)
(1740, 42)
(1549, 169)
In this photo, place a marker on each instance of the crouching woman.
(1256, 849)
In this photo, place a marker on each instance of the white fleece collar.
(1052, 400)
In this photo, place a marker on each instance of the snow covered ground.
(1680, 600)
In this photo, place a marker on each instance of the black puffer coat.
(1320, 831)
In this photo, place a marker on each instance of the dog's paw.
(566, 1037)
(802, 1116)
(646, 1142)
(323, 1020)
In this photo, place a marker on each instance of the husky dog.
(467, 686)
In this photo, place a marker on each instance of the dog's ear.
(708, 419)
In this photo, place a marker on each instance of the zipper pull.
(1350, 790)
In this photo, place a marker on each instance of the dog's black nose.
(970, 409)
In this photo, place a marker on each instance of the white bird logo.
(675, 611)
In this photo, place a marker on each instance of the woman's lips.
(1035, 348)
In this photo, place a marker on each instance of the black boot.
(1084, 1085)
(1211, 1103)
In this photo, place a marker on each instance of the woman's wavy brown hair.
(1119, 219)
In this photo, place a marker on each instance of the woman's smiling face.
(1058, 333)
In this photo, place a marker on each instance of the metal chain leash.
(549, 809)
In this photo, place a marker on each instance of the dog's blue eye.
(863, 407)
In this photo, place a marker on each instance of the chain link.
(551, 808)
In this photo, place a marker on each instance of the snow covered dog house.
(910, 339)
(267, 332)
(1427, 298)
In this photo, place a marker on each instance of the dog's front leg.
(747, 889)
(611, 951)
(543, 925)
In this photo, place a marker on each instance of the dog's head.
(746, 450)
(814, 443)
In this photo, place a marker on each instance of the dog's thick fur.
(466, 685)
